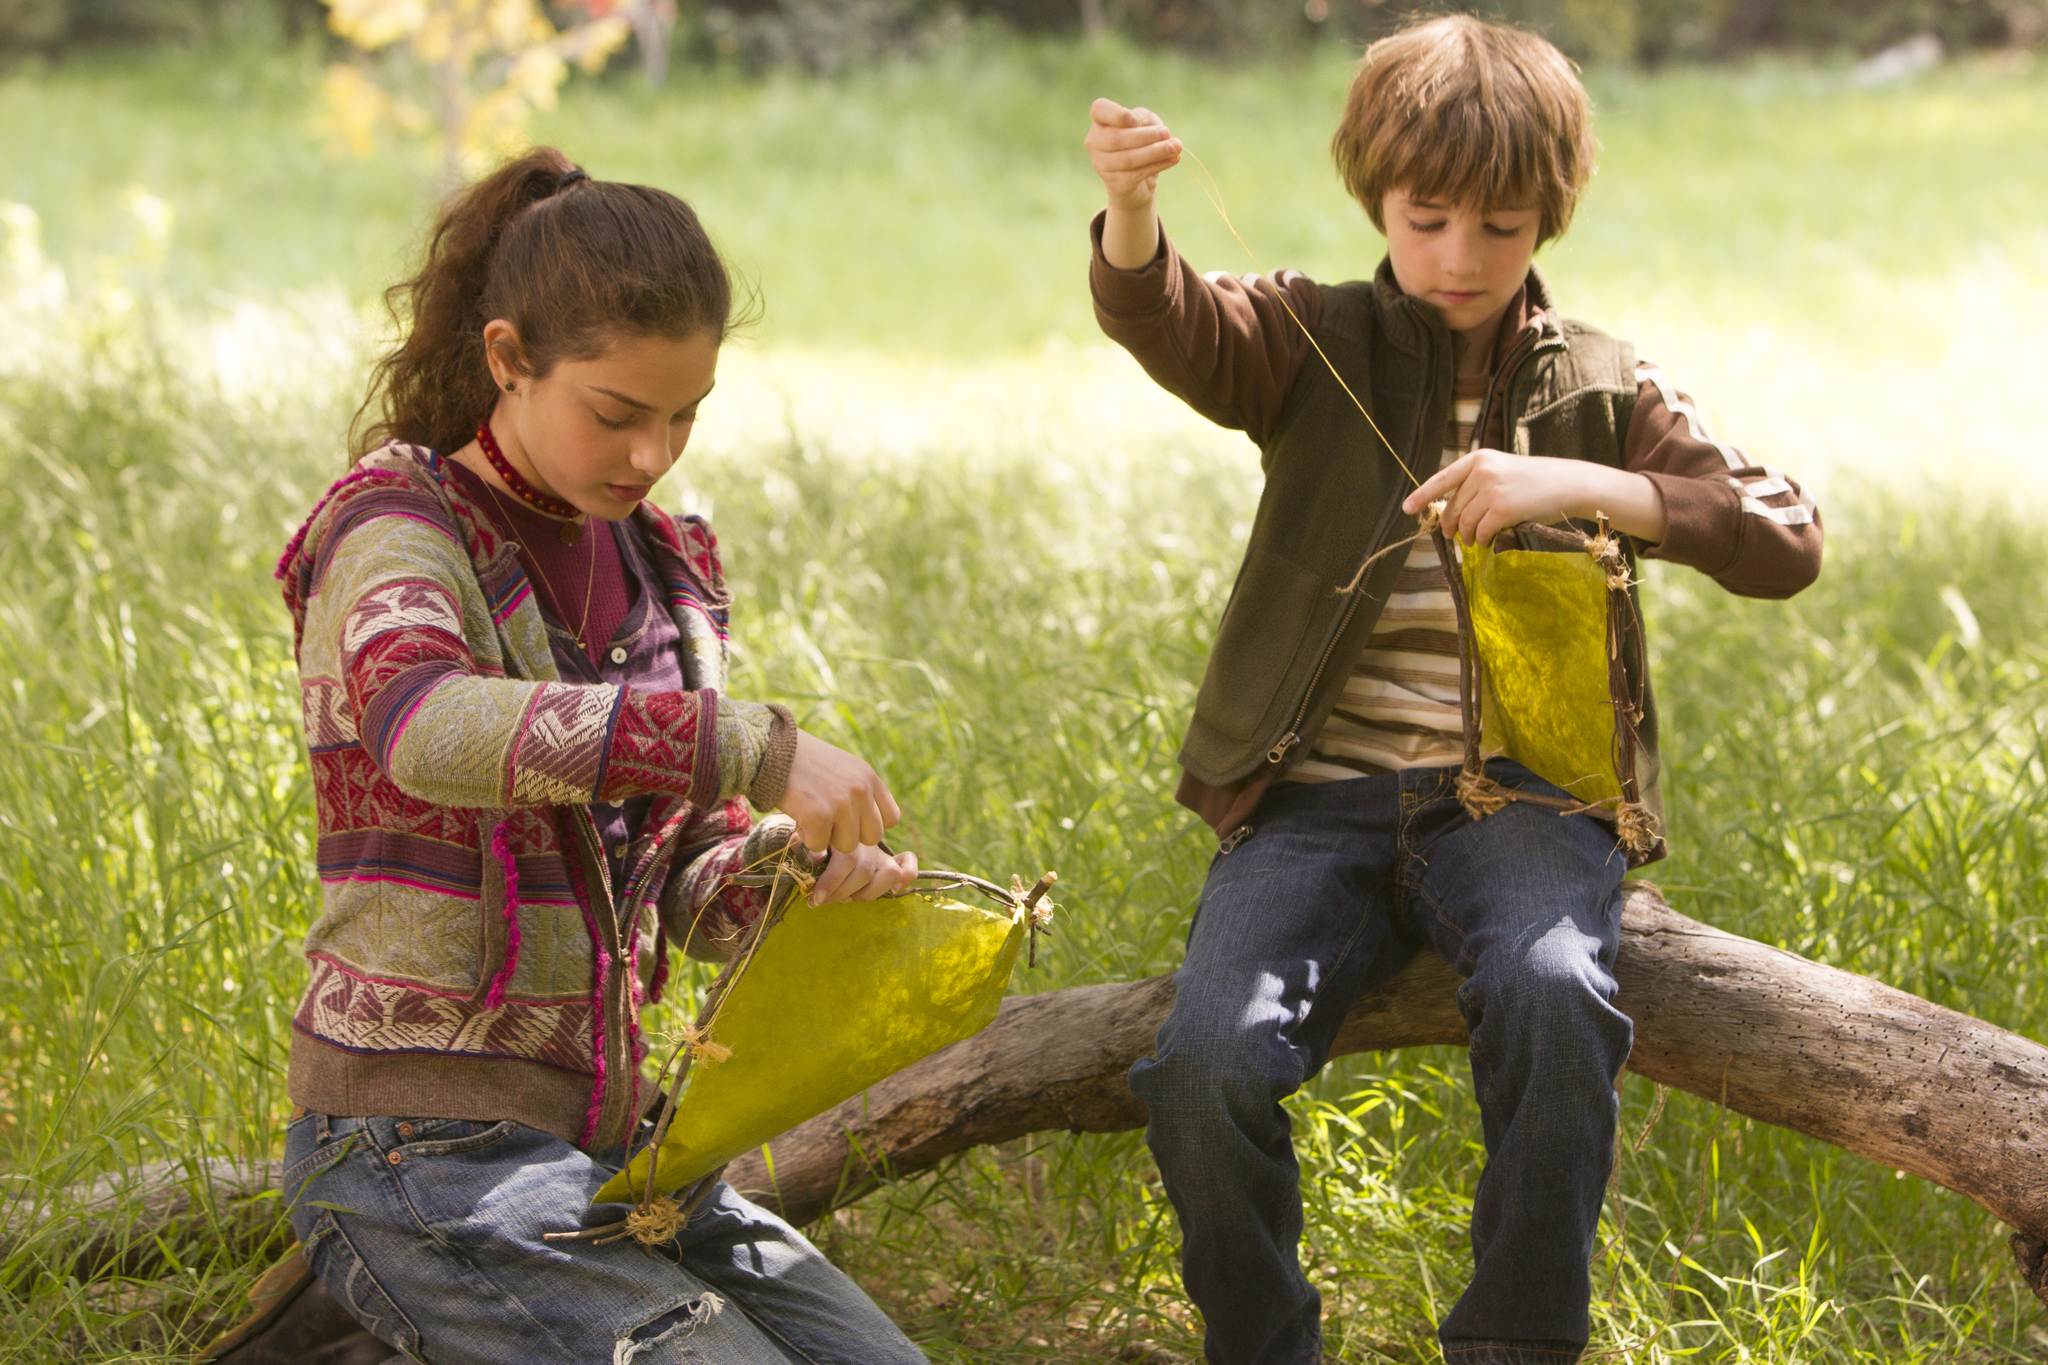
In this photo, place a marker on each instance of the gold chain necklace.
(589, 580)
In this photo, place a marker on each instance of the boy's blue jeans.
(1337, 887)
(431, 1237)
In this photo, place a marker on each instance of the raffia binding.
(1480, 795)
(655, 1222)
(1635, 828)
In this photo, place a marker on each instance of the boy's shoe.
(294, 1321)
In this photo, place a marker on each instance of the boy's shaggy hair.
(1456, 110)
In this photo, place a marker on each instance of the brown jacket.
(1228, 347)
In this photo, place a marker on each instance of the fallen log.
(119, 1224)
(1778, 1037)
(1824, 1052)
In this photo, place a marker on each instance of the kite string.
(1213, 192)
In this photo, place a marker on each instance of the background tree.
(471, 72)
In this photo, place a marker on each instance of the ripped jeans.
(429, 1232)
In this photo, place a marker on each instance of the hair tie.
(570, 177)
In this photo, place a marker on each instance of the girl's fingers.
(815, 832)
(831, 880)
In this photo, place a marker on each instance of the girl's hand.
(836, 799)
(1491, 490)
(863, 875)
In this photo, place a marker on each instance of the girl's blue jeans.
(429, 1232)
(1338, 886)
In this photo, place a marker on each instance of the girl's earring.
(508, 386)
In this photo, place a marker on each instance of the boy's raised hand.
(1129, 148)
(836, 799)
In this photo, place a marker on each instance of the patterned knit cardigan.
(470, 959)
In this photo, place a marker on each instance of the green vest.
(1289, 637)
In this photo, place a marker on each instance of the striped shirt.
(1399, 708)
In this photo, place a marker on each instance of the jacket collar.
(1415, 325)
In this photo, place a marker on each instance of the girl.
(530, 784)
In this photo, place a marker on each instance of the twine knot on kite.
(1635, 828)
(791, 865)
(696, 1040)
(655, 1222)
(1432, 515)
(1480, 795)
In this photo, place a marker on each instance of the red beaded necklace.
(521, 489)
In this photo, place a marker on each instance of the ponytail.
(572, 263)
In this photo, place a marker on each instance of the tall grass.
(996, 577)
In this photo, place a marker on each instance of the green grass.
(992, 566)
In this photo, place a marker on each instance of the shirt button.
(618, 654)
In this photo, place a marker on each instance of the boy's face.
(1465, 262)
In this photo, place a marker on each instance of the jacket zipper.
(1523, 348)
(1278, 753)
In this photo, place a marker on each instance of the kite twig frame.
(1635, 827)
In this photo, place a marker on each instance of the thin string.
(589, 577)
(1214, 194)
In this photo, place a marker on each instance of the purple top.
(641, 649)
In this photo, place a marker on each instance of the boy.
(1327, 734)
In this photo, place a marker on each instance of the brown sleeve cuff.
(1129, 293)
(1700, 513)
(771, 781)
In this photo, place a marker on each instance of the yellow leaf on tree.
(836, 998)
(355, 105)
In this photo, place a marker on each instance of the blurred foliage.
(483, 66)
(831, 36)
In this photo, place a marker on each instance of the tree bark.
(1775, 1036)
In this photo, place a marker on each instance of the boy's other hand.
(836, 799)
(863, 875)
(1488, 491)
(1129, 148)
